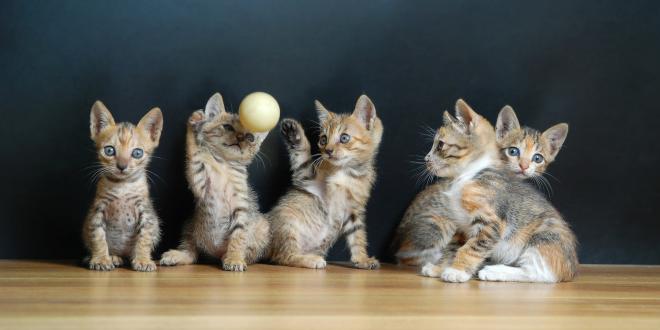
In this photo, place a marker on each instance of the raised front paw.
(455, 275)
(366, 263)
(234, 265)
(292, 132)
(101, 263)
(143, 265)
(196, 118)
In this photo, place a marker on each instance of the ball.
(259, 112)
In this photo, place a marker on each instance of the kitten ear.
(448, 119)
(365, 111)
(556, 135)
(466, 115)
(506, 122)
(100, 118)
(214, 106)
(152, 124)
(321, 111)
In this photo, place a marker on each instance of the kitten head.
(460, 141)
(526, 151)
(124, 149)
(349, 140)
(222, 134)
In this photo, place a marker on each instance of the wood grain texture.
(54, 295)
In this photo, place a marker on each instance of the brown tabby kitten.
(524, 151)
(329, 195)
(227, 222)
(122, 221)
(503, 218)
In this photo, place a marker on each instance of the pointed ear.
(556, 135)
(214, 106)
(365, 111)
(152, 124)
(506, 122)
(100, 118)
(466, 115)
(321, 111)
(448, 119)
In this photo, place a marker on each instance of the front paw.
(366, 263)
(234, 265)
(455, 275)
(143, 265)
(117, 260)
(292, 132)
(430, 270)
(101, 263)
(196, 118)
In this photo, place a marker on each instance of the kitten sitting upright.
(122, 221)
(329, 196)
(227, 223)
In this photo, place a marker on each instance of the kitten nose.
(523, 166)
(121, 167)
(329, 152)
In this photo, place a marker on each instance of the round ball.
(259, 112)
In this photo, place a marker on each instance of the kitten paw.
(292, 132)
(143, 265)
(175, 257)
(315, 262)
(101, 263)
(454, 275)
(430, 270)
(499, 273)
(367, 263)
(117, 260)
(234, 265)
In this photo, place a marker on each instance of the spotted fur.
(329, 195)
(122, 222)
(227, 223)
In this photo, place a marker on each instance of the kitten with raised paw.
(122, 222)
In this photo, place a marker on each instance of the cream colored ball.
(259, 112)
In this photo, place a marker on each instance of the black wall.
(593, 64)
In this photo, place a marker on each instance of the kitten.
(122, 221)
(329, 195)
(525, 152)
(227, 223)
(503, 218)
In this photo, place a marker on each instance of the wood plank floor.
(53, 295)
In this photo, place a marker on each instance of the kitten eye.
(513, 152)
(228, 127)
(344, 138)
(249, 137)
(109, 151)
(323, 140)
(137, 153)
(440, 145)
(537, 158)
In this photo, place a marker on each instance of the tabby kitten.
(503, 218)
(122, 221)
(329, 195)
(227, 223)
(525, 152)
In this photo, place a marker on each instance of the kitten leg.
(532, 268)
(288, 252)
(185, 254)
(435, 269)
(95, 238)
(234, 258)
(356, 239)
(258, 240)
(425, 240)
(299, 150)
(117, 260)
(147, 237)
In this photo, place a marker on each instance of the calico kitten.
(526, 151)
(503, 218)
(122, 221)
(227, 223)
(329, 196)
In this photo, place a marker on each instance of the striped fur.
(227, 223)
(329, 195)
(122, 222)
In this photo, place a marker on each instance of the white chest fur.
(454, 193)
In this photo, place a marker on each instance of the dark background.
(593, 64)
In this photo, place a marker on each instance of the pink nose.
(524, 166)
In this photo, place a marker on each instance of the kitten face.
(124, 149)
(222, 133)
(459, 142)
(347, 140)
(526, 151)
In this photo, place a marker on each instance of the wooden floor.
(52, 295)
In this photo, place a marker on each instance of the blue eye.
(537, 158)
(513, 152)
(323, 140)
(344, 138)
(109, 151)
(137, 153)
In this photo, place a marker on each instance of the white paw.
(454, 275)
(491, 273)
(430, 270)
(170, 258)
(319, 264)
